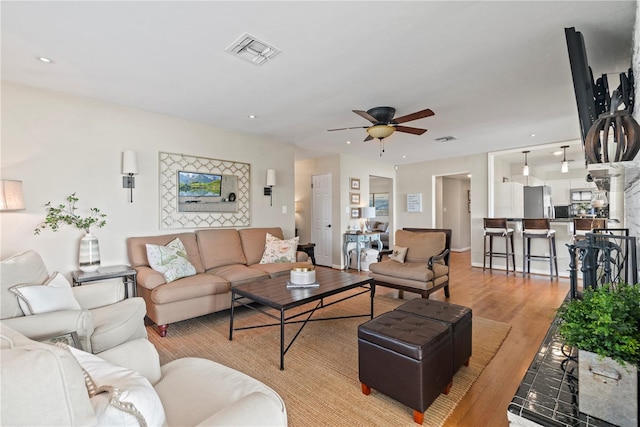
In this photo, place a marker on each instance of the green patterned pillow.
(170, 260)
(277, 250)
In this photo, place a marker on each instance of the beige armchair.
(419, 262)
(102, 317)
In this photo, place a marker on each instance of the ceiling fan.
(384, 124)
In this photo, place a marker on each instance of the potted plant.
(605, 327)
(89, 255)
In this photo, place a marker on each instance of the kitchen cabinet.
(509, 200)
(560, 191)
(580, 200)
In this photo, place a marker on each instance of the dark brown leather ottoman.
(457, 317)
(407, 357)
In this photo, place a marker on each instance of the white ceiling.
(493, 72)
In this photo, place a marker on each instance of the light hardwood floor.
(528, 304)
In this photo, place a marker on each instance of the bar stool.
(538, 228)
(582, 226)
(497, 227)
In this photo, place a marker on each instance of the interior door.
(321, 231)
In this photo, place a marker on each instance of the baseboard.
(461, 249)
(540, 272)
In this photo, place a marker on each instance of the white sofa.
(43, 384)
(102, 318)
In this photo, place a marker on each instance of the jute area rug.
(320, 384)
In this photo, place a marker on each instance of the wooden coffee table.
(274, 294)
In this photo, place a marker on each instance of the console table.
(359, 239)
(548, 394)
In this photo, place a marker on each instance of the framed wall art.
(355, 212)
(355, 198)
(197, 192)
(354, 183)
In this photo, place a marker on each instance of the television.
(197, 184)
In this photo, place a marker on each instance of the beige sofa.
(47, 385)
(222, 258)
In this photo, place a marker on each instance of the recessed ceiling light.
(404, 156)
(251, 116)
(348, 142)
(533, 135)
(469, 176)
(557, 153)
(45, 59)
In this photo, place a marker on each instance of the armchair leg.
(446, 291)
(366, 390)
(418, 416)
(162, 330)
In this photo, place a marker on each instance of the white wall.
(59, 144)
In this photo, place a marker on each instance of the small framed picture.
(355, 198)
(354, 183)
(355, 212)
(71, 339)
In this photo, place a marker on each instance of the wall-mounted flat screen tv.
(196, 184)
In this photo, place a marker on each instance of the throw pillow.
(278, 250)
(119, 396)
(399, 253)
(170, 260)
(54, 295)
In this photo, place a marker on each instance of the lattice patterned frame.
(170, 218)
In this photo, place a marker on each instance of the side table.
(127, 273)
(308, 248)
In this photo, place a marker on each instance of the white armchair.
(103, 320)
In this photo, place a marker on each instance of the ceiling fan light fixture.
(380, 131)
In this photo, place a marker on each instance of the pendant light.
(565, 163)
(525, 168)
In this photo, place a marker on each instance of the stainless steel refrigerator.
(537, 202)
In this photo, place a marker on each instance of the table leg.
(345, 254)
(282, 339)
(373, 294)
(358, 249)
(233, 295)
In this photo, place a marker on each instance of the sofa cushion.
(186, 288)
(253, 241)
(237, 274)
(277, 250)
(170, 260)
(220, 247)
(136, 247)
(119, 396)
(276, 269)
(41, 384)
(26, 267)
(54, 295)
(421, 246)
(409, 270)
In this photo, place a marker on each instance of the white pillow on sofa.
(278, 250)
(119, 396)
(170, 260)
(54, 295)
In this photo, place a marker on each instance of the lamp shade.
(11, 195)
(380, 131)
(271, 177)
(129, 162)
(368, 212)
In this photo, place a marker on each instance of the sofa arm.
(47, 325)
(382, 253)
(148, 278)
(139, 355)
(437, 258)
(251, 410)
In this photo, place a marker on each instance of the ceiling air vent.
(446, 138)
(252, 50)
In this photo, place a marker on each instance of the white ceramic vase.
(89, 255)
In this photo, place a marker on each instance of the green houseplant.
(68, 214)
(604, 326)
(604, 322)
(57, 216)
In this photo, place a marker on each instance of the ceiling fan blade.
(366, 115)
(355, 127)
(407, 129)
(368, 138)
(414, 116)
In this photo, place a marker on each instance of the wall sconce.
(525, 168)
(271, 182)
(129, 168)
(565, 163)
(11, 195)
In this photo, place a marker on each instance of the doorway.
(381, 197)
(321, 231)
(452, 202)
